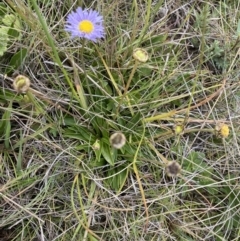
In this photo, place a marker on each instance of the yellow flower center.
(86, 26)
(224, 131)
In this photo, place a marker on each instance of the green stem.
(84, 70)
(130, 77)
(34, 102)
(135, 169)
(126, 89)
(55, 53)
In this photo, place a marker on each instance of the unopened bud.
(21, 84)
(178, 129)
(140, 55)
(96, 146)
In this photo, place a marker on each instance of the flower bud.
(140, 55)
(21, 84)
(96, 146)
(178, 129)
(222, 130)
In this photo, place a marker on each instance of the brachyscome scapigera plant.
(87, 25)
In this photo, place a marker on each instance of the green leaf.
(3, 39)
(12, 29)
(13, 24)
(81, 134)
(107, 152)
(118, 179)
(17, 60)
(9, 19)
(98, 155)
(132, 123)
(5, 125)
(158, 39)
(3, 9)
(100, 126)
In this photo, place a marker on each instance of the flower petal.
(75, 18)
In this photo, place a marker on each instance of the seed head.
(173, 169)
(117, 140)
(21, 84)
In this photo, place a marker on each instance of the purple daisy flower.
(85, 24)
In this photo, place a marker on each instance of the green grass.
(60, 178)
